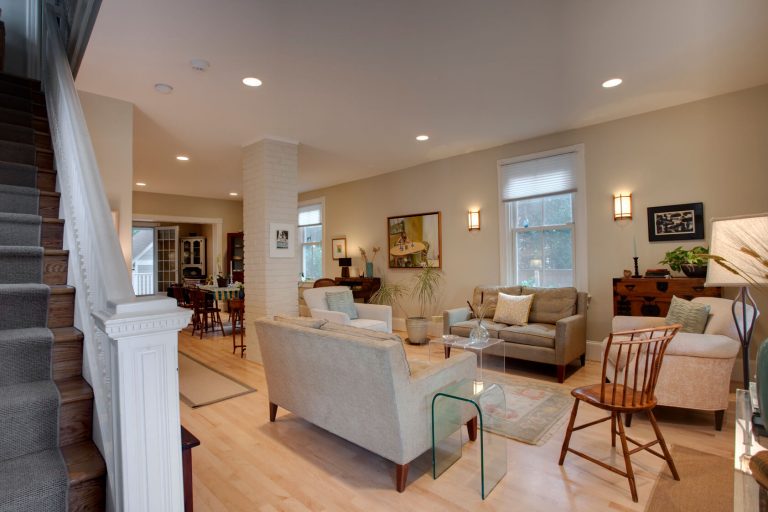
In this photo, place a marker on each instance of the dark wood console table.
(362, 287)
(650, 296)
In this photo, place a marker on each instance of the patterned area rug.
(534, 411)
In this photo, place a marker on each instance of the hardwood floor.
(245, 462)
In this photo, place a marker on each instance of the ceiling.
(355, 81)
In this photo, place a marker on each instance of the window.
(311, 237)
(543, 228)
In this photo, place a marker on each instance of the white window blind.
(310, 215)
(538, 177)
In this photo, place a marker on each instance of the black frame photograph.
(676, 222)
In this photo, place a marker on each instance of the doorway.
(154, 259)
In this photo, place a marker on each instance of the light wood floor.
(247, 463)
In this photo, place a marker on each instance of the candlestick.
(637, 272)
(634, 248)
(230, 267)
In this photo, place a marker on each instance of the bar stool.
(236, 314)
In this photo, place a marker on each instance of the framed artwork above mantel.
(415, 241)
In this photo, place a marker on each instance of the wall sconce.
(473, 220)
(622, 207)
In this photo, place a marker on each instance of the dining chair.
(628, 389)
(207, 316)
(325, 281)
(181, 299)
(236, 315)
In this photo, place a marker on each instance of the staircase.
(30, 338)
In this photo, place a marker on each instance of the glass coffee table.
(490, 354)
(450, 407)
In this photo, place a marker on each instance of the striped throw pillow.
(692, 315)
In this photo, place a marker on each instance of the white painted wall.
(110, 123)
(713, 151)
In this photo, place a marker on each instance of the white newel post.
(143, 337)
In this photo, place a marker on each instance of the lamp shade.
(622, 206)
(742, 242)
(345, 262)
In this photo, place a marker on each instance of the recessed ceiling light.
(422, 138)
(164, 88)
(613, 82)
(233, 193)
(141, 184)
(183, 158)
(251, 81)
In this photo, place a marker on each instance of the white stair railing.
(130, 344)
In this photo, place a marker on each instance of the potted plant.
(691, 262)
(423, 289)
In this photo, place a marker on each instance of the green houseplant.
(423, 290)
(691, 262)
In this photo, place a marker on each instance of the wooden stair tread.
(50, 194)
(74, 389)
(56, 252)
(66, 334)
(48, 220)
(84, 462)
(62, 289)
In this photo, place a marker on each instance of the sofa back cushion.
(551, 304)
(489, 295)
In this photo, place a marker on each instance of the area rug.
(534, 411)
(705, 485)
(201, 385)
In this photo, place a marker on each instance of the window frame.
(310, 202)
(507, 248)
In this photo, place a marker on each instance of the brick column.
(270, 195)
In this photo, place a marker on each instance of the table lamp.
(345, 263)
(739, 257)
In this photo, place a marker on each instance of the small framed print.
(676, 222)
(339, 247)
(281, 240)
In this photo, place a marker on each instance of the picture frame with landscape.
(415, 241)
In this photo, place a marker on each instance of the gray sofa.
(556, 332)
(357, 384)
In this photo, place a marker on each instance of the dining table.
(223, 293)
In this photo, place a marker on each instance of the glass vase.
(479, 333)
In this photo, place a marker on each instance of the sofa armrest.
(454, 316)
(375, 312)
(570, 338)
(336, 317)
(630, 323)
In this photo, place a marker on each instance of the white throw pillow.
(513, 309)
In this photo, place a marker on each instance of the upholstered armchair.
(370, 316)
(697, 367)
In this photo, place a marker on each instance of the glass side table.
(491, 354)
(461, 400)
(746, 492)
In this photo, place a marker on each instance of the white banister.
(130, 346)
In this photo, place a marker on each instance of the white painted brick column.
(270, 195)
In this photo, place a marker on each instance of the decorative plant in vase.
(369, 264)
(479, 333)
(691, 262)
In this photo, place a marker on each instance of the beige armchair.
(370, 316)
(697, 367)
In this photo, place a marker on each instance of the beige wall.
(110, 123)
(713, 151)
(231, 213)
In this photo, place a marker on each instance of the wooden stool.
(236, 314)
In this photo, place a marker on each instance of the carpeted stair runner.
(18, 264)
(33, 474)
(19, 175)
(19, 199)
(19, 229)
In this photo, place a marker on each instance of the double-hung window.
(543, 239)
(311, 239)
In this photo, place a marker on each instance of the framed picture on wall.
(281, 240)
(339, 247)
(676, 222)
(414, 240)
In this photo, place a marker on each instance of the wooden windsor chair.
(206, 315)
(638, 355)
